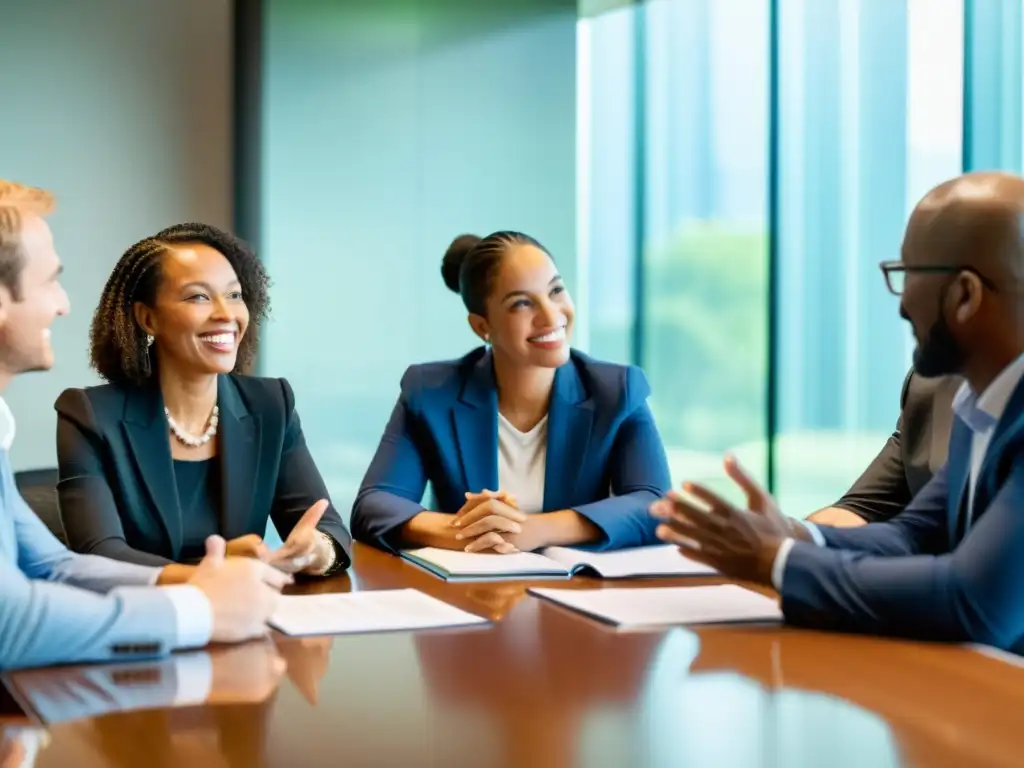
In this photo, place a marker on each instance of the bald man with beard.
(950, 566)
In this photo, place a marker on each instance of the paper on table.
(372, 611)
(996, 653)
(665, 606)
(659, 560)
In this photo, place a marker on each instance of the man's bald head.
(963, 262)
(975, 220)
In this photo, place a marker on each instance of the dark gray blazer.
(117, 491)
(915, 452)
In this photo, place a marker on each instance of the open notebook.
(555, 563)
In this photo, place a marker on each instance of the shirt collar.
(7, 426)
(983, 412)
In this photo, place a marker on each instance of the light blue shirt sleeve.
(779, 564)
(57, 606)
(42, 556)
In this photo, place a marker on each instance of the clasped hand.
(491, 521)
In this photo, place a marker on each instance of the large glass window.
(870, 118)
(606, 196)
(705, 257)
(673, 135)
(674, 147)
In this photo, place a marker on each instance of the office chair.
(39, 489)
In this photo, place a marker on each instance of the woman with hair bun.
(526, 442)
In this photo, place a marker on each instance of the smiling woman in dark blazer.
(525, 442)
(179, 446)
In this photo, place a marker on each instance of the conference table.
(538, 686)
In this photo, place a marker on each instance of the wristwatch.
(333, 561)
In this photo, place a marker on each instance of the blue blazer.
(444, 429)
(918, 575)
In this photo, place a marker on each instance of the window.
(606, 196)
(869, 119)
(673, 131)
(676, 99)
(705, 257)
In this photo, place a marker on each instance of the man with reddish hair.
(60, 607)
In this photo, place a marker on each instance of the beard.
(939, 353)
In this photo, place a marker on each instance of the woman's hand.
(305, 549)
(486, 520)
(447, 531)
(250, 545)
(473, 500)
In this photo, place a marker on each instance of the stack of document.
(556, 563)
(374, 611)
(667, 606)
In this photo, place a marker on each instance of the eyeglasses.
(895, 273)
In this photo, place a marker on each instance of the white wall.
(122, 108)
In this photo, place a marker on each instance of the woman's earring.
(487, 338)
(149, 340)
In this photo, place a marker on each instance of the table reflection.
(539, 659)
(917, 690)
(159, 700)
(306, 660)
(238, 674)
(20, 745)
(697, 711)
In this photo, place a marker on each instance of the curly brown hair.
(118, 349)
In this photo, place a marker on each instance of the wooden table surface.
(540, 687)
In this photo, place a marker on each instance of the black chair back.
(39, 489)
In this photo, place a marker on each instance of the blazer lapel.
(570, 420)
(240, 435)
(475, 416)
(146, 428)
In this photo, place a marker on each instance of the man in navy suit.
(60, 607)
(950, 565)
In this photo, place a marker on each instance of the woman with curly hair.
(179, 445)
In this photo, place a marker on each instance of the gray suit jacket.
(58, 607)
(915, 452)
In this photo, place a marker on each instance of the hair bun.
(454, 257)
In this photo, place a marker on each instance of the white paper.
(996, 653)
(667, 606)
(659, 560)
(372, 611)
(458, 563)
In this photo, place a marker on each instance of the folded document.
(372, 611)
(666, 606)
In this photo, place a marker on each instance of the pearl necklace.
(191, 440)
